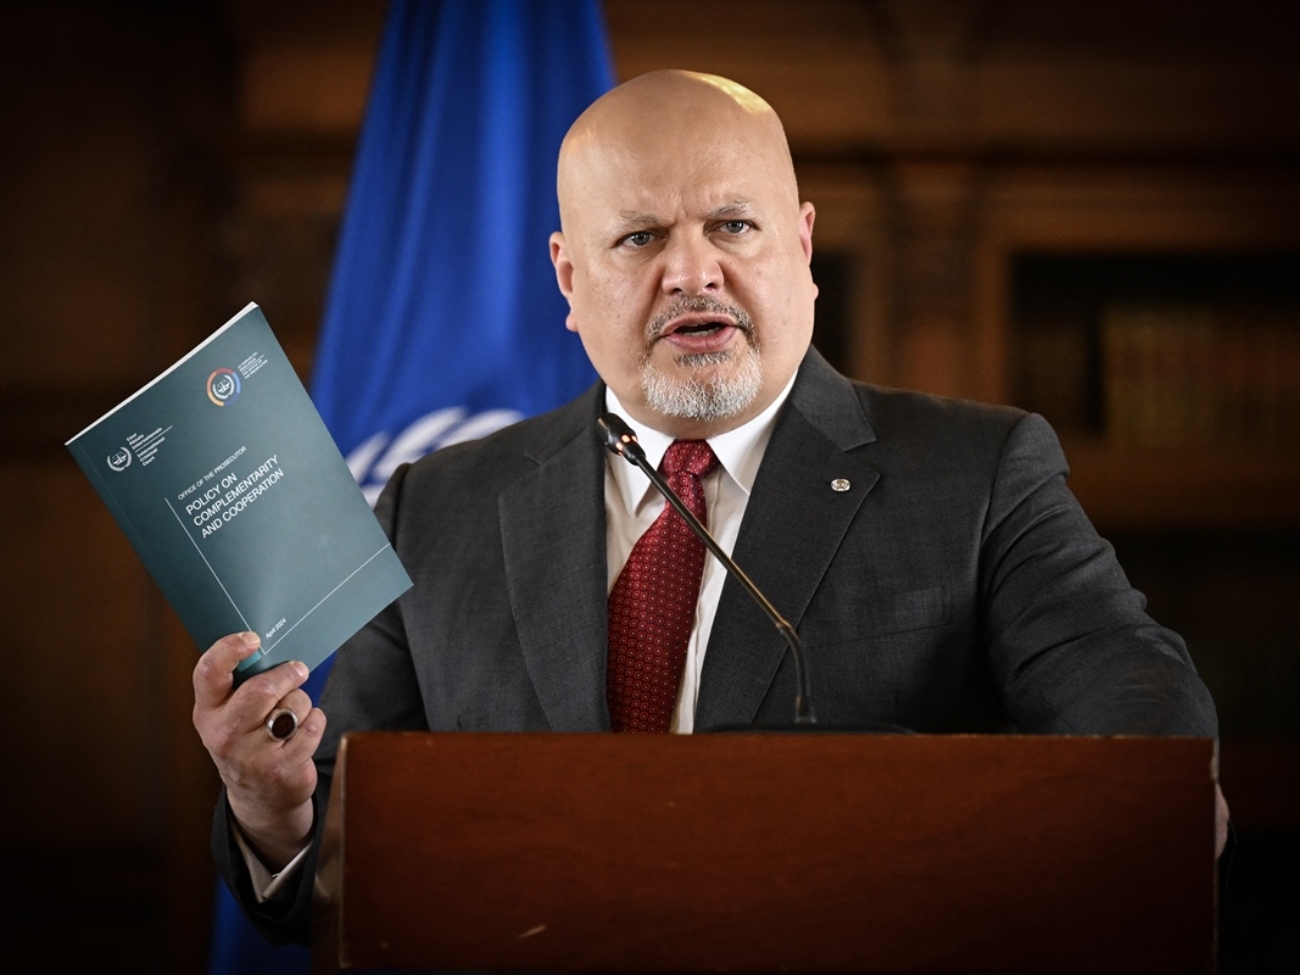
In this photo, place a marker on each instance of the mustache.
(696, 304)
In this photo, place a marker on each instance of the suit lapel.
(793, 526)
(553, 534)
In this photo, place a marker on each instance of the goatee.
(707, 393)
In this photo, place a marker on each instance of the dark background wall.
(1086, 208)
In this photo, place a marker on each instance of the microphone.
(620, 439)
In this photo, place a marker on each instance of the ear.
(807, 214)
(563, 265)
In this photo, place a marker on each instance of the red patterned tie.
(652, 604)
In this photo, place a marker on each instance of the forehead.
(613, 180)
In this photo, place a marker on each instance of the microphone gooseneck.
(619, 439)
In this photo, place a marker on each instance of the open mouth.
(701, 328)
(698, 336)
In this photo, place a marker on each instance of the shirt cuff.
(267, 886)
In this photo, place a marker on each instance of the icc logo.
(120, 461)
(223, 387)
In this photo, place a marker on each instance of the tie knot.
(693, 456)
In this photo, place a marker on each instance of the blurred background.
(1087, 208)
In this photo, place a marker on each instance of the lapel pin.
(840, 484)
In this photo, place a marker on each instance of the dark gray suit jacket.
(957, 586)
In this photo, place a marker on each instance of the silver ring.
(282, 724)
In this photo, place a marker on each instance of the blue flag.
(443, 320)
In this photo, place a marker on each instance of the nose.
(691, 266)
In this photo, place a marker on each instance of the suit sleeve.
(1069, 638)
(283, 921)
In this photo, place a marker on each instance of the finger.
(288, 766)
(299, 704)
(281, 724)
(296, 701)
(235, 733)
(258, 696)
(269, 777)
(214, 674)
(302, 746)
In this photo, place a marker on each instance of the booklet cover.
(224, 478)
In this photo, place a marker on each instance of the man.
(939, 572)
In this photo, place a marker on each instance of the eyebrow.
(629, 219)
(735, 208)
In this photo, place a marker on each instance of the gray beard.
(699, 400)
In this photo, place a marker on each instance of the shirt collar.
(739, 451)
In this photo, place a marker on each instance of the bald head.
(672, 112)
(684, 250)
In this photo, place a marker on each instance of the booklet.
(224, 478)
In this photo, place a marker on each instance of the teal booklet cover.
(223, 476)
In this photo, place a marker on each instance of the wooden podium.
(744, 852)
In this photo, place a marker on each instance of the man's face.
(685, 263)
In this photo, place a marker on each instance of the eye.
(639, 239)
(735, 227)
